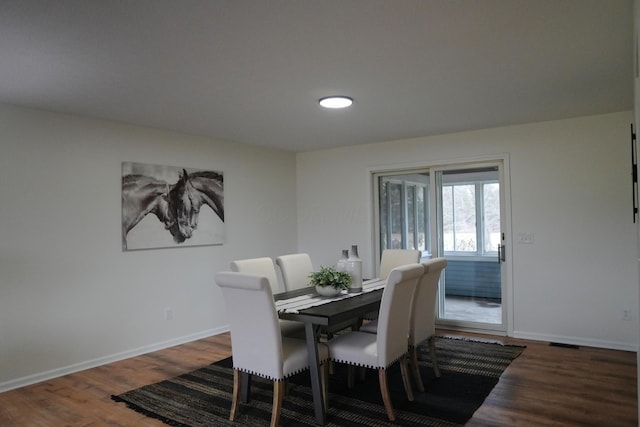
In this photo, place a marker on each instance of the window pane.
(421, 195)
(464, 202)
(491, 216)
(404, 212)
(447, 218)
(395, 193)
(411, 216)
(384, 209)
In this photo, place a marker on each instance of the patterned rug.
(470, 370)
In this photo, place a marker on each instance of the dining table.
(320, 313)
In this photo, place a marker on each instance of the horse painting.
(188, 195)
(177, 206)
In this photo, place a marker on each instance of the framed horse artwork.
(168, 206)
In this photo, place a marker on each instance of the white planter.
(327, 291)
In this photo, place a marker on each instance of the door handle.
(501, 253)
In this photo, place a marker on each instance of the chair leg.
(350, 376)
(278, 392)
(434, 358)
(386, 397)
(362, 373)
(415, 369)
(235, 400)
(404, 368)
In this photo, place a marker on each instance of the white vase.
(327, 291)
(342, 262)
(353, 266)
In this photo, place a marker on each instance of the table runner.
(295, 304)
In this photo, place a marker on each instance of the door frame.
(505, 189)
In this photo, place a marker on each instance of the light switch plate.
(525, 238)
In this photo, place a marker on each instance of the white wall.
(570, 187)
(69, 297)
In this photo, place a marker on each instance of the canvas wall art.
(169, 206)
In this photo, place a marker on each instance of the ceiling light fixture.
(336, 102)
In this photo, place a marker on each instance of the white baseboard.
(613, 345)
(76, 367)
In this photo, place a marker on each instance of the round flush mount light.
(336, 102)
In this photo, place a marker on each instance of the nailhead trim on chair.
(368, 366)
(246, 371)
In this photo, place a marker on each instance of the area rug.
(470, 370)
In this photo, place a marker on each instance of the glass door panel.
(404, 212)
(469, 229)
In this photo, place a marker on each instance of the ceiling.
(251, 71)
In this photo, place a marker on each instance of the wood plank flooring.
(545, 386)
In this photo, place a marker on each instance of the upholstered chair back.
(295, 269)
(393, 318)
(423, 309)
(262, 266)
(257, 346)
(255, 333)
(392, 258)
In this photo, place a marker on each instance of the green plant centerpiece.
(330, 282)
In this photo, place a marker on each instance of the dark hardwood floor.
(545, 386)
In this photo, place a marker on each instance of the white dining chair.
(392, 258)
(265, 267)
(257, 346)
(389, 345)
(422, 325)
(295, 269)
(423, 317)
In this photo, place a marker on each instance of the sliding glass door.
(456, 212)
